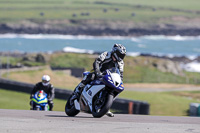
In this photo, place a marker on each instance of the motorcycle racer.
(47, 88)
(106, 60)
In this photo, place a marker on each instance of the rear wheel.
(70, 109)
(102, 105)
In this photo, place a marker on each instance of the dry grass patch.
(58, 79)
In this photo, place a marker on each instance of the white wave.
(58, 36)
(175, 38)
(82, 37)
(192, 57)
(153, 37)
(76, 50)
(182, 38)
(8, 35)
(133, 54)
(191, 67)
(134, 39)
(178, 38)
(141, 45)
(170, 55)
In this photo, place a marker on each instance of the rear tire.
(105, 106)
(70, 109)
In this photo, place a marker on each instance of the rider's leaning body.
(106, 60)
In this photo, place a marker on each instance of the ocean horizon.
(158, 45)
(153, 45)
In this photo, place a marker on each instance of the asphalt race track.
(25, 121)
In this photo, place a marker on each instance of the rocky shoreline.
(105, 31)
(86, 28)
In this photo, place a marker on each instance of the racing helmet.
(45, 80)
(119, 52)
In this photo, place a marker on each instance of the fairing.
(40, 99)
(111, 80)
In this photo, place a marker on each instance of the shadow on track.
(69, 116)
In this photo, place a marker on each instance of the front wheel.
(102, 105)
(37, 108)
(70, 109)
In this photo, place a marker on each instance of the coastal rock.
(198, 59)
(40, 58)
(168, 66)
(96, 28)
(35, 58)
(182, 59)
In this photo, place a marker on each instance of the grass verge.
(20, 101)
(163, 104)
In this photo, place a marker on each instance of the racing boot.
(110, 114)
(50, 102)
(31, 104)
(77, 91)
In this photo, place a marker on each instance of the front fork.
(100, 100)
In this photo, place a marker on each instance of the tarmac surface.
(28, 121)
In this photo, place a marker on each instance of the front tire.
(70, 109)
(101, 109)
(37, 108)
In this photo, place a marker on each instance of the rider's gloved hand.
(99, 75)
(31, 97)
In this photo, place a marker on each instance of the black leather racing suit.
(49, 90)
(103, 62)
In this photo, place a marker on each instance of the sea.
(158, 45)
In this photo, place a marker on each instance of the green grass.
(144, 74)
(58, 79)
(72, 60)
(10, 60)
(180, 4)
(16, 10)
(166, 103)
(20, 101)
(135, 72)
(136, 69)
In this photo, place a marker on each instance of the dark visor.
(44, 81)
(119, 56)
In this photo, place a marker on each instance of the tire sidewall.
(70, 110)
(106, 107)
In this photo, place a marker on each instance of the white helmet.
(45, 80)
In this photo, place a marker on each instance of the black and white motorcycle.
(97, 97)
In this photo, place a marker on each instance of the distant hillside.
(90, 30)
(105, 17)
(140, 69)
